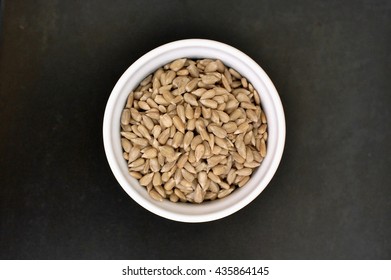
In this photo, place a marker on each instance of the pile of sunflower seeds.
(193, 131)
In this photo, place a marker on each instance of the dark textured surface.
(330, 61)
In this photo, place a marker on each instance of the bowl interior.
(271, 104)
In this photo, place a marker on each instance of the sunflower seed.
(191, 124)
(174, 197)
(230, 127)
(193, 70)
(163, 137)
(125, 117)
(192, 85)
(219, 170)
(187, 175)
(243, 181)
(262, 128)
(177, 64)
(242, 128)
(199, 151)
(156, 131)
(208, 94)
(211, 67)
(223, 193)
(214, 160)
(189, 112)
(198, 195)
(224, 185)
(157, 179)
(263, 148)
(125, 143)
(240, 146)
(170, 184)
(249, 155)
(149, 152)
(177, 139)
(136, 175)
(252, 164)
(183, 72)
(231, 105)
(209, 103)
(214, 177)
(190, 98)
(195, 142)
(202, 179)
(257, 99)
(210, 196)
(242, 97)
(167, 151)
(190, 168)
(206, 112)
(140, 142)
(144, 105)
(231, 176)
(146, 179)
(197, 112)
(244, 172)
(199, 92)
(167, 167)
(248, 105)
(153, 114)
(180, 195)
(238, 158)
(209, 79)
(144, 132)
(155, 195)
(165, 121)
(217, 131)
(129, 101)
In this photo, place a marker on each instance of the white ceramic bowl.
(271, 104)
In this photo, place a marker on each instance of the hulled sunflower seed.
(199, 152)
(208, 94)
(244, 172)
(167, 151)
(136, 175)
(125, 143)
(149, 152)
(177, 64)
(214, 177)
(146, 179)
(174, 197)
(157, 179)
(243, 181)
(182, 160)
(165, 121)
(223, 193)
(217, 131)
(209, 103)
(155, 195)
(209, 79)
(154, 165)
(189, 98)
(125, 117)
(263, 148)
(192, 85)
(198, 198)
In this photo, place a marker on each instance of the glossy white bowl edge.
(271, 103)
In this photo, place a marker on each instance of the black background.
(330, 62)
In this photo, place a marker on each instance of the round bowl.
(270, 102)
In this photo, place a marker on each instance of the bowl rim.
(110, 106)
